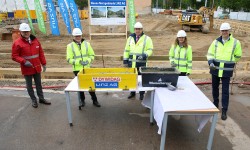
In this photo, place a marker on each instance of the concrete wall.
(243, 16)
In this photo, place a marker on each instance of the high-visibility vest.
(75, 54)
(224, 56)
(144, 46)
(182, 57)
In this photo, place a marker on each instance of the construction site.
(120, 123)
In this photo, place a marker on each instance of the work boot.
(96, 103)
(132, 94)
(224, 115)
(43, 101)
(141, 96)
(34, 104)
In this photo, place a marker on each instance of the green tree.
(234, 5)
(82, 3)
(246, 5)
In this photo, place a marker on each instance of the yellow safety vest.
(75, 54)
(182, 57)
(224, 56)
(144, 46)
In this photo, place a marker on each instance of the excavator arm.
(208, 12)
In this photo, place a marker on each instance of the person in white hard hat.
(28, 51)
(223, 54)
(80, 55)
(137, 50)
(180, 54)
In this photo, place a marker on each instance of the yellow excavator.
(193, 20)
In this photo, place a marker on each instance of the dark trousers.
(141, 92)
(183, 74)
(82, 95)
(225, 91)
(39, 90)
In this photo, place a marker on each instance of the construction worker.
(28, 51)
(222, 55)
(137, 50)
(180, 54)
(80, 54)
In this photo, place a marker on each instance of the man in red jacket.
(27, 51)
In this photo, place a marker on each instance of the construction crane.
(193, 20)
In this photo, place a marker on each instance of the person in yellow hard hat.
(180, 54)
(222, 55)
(137, 50)
(80, 54)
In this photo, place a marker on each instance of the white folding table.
(73, 87)
(186, 100)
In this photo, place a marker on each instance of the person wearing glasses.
(27, 51)
(137, 50)
(80, 55)
(223, 54)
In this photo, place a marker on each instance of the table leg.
(163, 131)
(79, 101)
(152, 108)
(68, 108)
(212, 129)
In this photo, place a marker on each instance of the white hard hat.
(181, 33)
(138, 25)
(76, 32)
(24, 27)
(225, 26)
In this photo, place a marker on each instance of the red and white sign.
(106, 79)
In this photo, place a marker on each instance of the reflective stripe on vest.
(73, 50)
(185, 54)
(141, 61)
(137, 54)
(216, 46)
(143, 48)
(144, 44)
(31, 57)
(235, 42)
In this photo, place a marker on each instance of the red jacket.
(22, 50)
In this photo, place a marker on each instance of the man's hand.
(84, 63)
(211, 66)
(44, 68)
(27, 64)
(173, 64)
(140, 58)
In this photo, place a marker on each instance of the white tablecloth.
(187, 97)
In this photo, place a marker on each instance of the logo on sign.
(106, 84)
(106, 79)
(186, 18)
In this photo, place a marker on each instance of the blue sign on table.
(106, 84)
